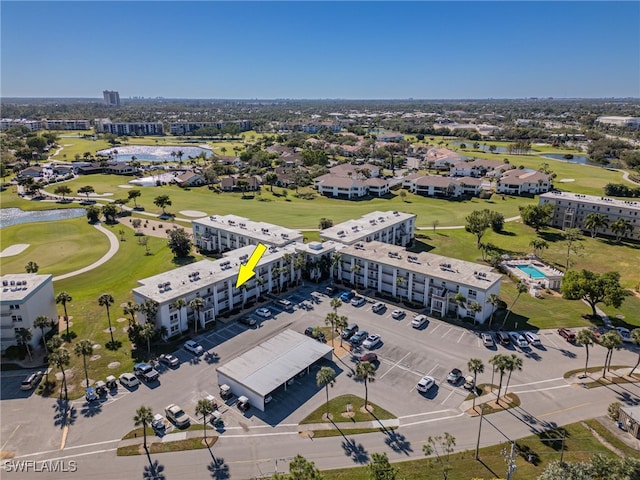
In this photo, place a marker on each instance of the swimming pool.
(532, 272)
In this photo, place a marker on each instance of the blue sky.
(368, 50)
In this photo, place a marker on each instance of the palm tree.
(330, 319)
(31, 267)
(24, 336)
(147, 331)
(476, 308)
(179, 304)
(82, 349)
(355, 270)
(366, 372)
(538, 246)
(635, 336)
(205, 409)
(336, 303)
(61, 358)
(459, 299)
(43, 322)
(499, 362)
(336, 262)
(399, 282)
(298, 264)
(521, 287)
(594, 222)
(64, 298)
(514, 363)
(475, 366)
(587, 338)
(620, 227)
(106, 300)
(610, 340)
(197, 304)
(326, 377)
(179, 154)
(144, 417)
(54, 343)
(130, 308)
(495, 301)
(173, 155)
(341, 324)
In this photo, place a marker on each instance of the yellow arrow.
(247, 269)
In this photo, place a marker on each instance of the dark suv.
(503, 338)
(146, 371)
(348, 332)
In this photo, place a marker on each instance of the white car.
(625, 334)
(158, 422)
(425, 384)
(169, 359)
(357, 301)
(397, 313)
(532, 338)
(263, 312)
(129, 380)
(177, 416)
(518, 340)
(372, 341)
(377, 307)
(418, 321)
(193, 347)
(487, 340)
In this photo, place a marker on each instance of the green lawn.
(338, 405)
(579, 445)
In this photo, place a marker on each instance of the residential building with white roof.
(219, 233)
(396, 228)
(571, 210)
(423, 278)
(518, 182)
(25, 297)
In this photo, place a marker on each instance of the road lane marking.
(564, 409)
(432, 420)
(535, 383)
(426, 413)
(394, 365)
(541, 389)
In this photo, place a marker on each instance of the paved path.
(113, 249)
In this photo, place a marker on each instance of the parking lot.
(404, 356)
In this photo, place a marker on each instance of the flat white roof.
(270, 364)
(19, 286)
(264, 232)
(182, 280)
(456, 271)
(581, 198)
(358, 229)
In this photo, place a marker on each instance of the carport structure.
(261, 370)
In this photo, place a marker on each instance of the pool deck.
(550, 273)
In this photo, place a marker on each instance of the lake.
(576, 159)
(151, 153)
(16, 216)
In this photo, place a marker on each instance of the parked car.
(176, 415)
(425, 384)
(158, 423)
(358, 301)
(169, 359)
(330, 290)
(193, 347)
(567, 334)
(487, 340)
(378, 307)
(146, 372)
(419, 320)
(358, 337)
(518, 340)
(347, 296)
(397, 313)
(372, 341)
(31, 381)
(284, 303)
(348, 332)
(243, 403)
(503, 338)
(263, 312)
(129, 380)
(369, 357)
(533, 339)
(320, 336)
(625, 334)
(469, 382)
(454, 376)
(598, 332)
(90, 394)
(248, 321)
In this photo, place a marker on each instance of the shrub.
(614, 411)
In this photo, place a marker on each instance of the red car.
(567, 334)
(369, 357)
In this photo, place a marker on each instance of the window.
(174, 329)
(173, 318)
(14, 307)
(16, 318)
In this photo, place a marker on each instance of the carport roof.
(270, 364)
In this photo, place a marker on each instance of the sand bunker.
(192, 213)
(566, 180)
(14, 250)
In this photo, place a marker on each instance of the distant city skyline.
(320, 50)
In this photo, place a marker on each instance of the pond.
(16, 216)
(575, 159)
(151, 153)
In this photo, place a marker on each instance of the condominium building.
(396, 228)
(423, 278)
(220, 233)
(111, 98)
(188, 128)
(105, 125)
(519, 182)
(25, 297)
(66, 124)
(633, 122)
(571, 210)
(214, 282)
(32, 125)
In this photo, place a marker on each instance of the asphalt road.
(256, 443)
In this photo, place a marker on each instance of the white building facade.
(25, 297)
(397, 228)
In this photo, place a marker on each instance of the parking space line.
(549, 338)
(461, 335)
(451, 393)
(394, 365)
(436, 366)
(436, 328)
(445, 334)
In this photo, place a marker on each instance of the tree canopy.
(179, 242)
(593, 288)
(536, 216)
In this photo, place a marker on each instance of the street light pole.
(479, 430)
